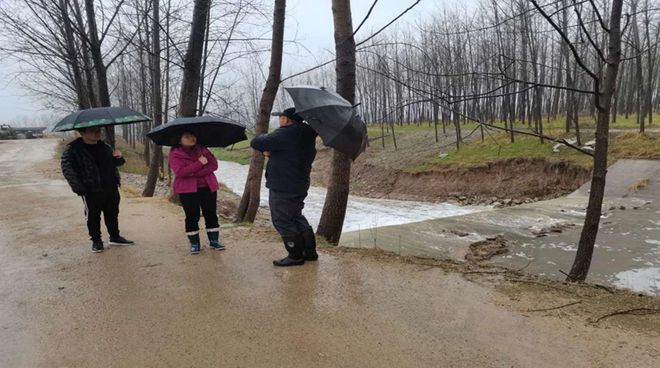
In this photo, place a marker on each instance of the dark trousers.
(286, 212)
(106, 202)
(205, 200)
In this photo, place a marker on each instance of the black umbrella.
(333, 118)
(210, 131)
(99, 117)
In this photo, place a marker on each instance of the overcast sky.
(308, 21)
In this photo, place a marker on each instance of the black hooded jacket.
(81, 170)
(293, 149)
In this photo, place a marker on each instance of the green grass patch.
(134, 157)
(241, 156)
(240, 152)
(623, 145)
(500, 148)
(635, 146)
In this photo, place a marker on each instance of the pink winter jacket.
(187, 169)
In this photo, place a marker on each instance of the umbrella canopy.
(210, 131)
(99, 117)
(332, 117)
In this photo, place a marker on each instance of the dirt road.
(153, 305)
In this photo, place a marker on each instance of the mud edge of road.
(571, 303)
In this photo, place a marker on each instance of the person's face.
(284, 121)
(188, 140)
(92, 134)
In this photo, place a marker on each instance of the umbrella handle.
(357, 104)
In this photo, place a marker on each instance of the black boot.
(309, 251)
(294, 245)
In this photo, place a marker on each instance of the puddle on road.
(643, 280)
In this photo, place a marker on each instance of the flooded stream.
(362, 213)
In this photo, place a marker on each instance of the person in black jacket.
(90, 167)
(291, 149)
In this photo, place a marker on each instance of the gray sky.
(308, 21)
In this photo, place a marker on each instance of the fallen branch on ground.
(542, 284)
(554, 308)
(634, 311)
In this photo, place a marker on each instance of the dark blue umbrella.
(334, 118)
(99, 117)
(210, 131)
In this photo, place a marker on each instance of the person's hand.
(266, 153)
(203, 160)
(116, 154)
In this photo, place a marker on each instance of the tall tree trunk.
(650, 56)
(336, 199)
(72, 55)
(202, 75)
(193, 60)
(156, 103)
(99, 66)
(84, 52)
(582, 261)
(639, 74)
(144, 45)
(247, 209)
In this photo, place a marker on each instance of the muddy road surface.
(154, 305)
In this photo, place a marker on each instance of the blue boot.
(214, 239)
(194, 242)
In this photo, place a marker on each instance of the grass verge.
(622, 145)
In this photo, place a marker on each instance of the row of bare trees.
(82, 54)
(504, 64)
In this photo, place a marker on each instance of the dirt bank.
(505, 182)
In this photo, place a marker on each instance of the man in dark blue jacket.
(291, 149)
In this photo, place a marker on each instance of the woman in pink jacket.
(197, 187)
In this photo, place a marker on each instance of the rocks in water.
(459, 233)
(486, 249)
(496, 202)
(556, 228)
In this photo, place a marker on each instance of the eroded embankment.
(506, 182)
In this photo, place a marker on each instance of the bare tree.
(334, 208)
(100, 66)
(604, 90)
(193, 60)
(157, 104)
(247, 209)
(604, 93)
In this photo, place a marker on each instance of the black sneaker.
(121, 241)
(287, 262)
(97, 246)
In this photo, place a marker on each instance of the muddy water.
(627, 250)
(541, 238)
(362, 213)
